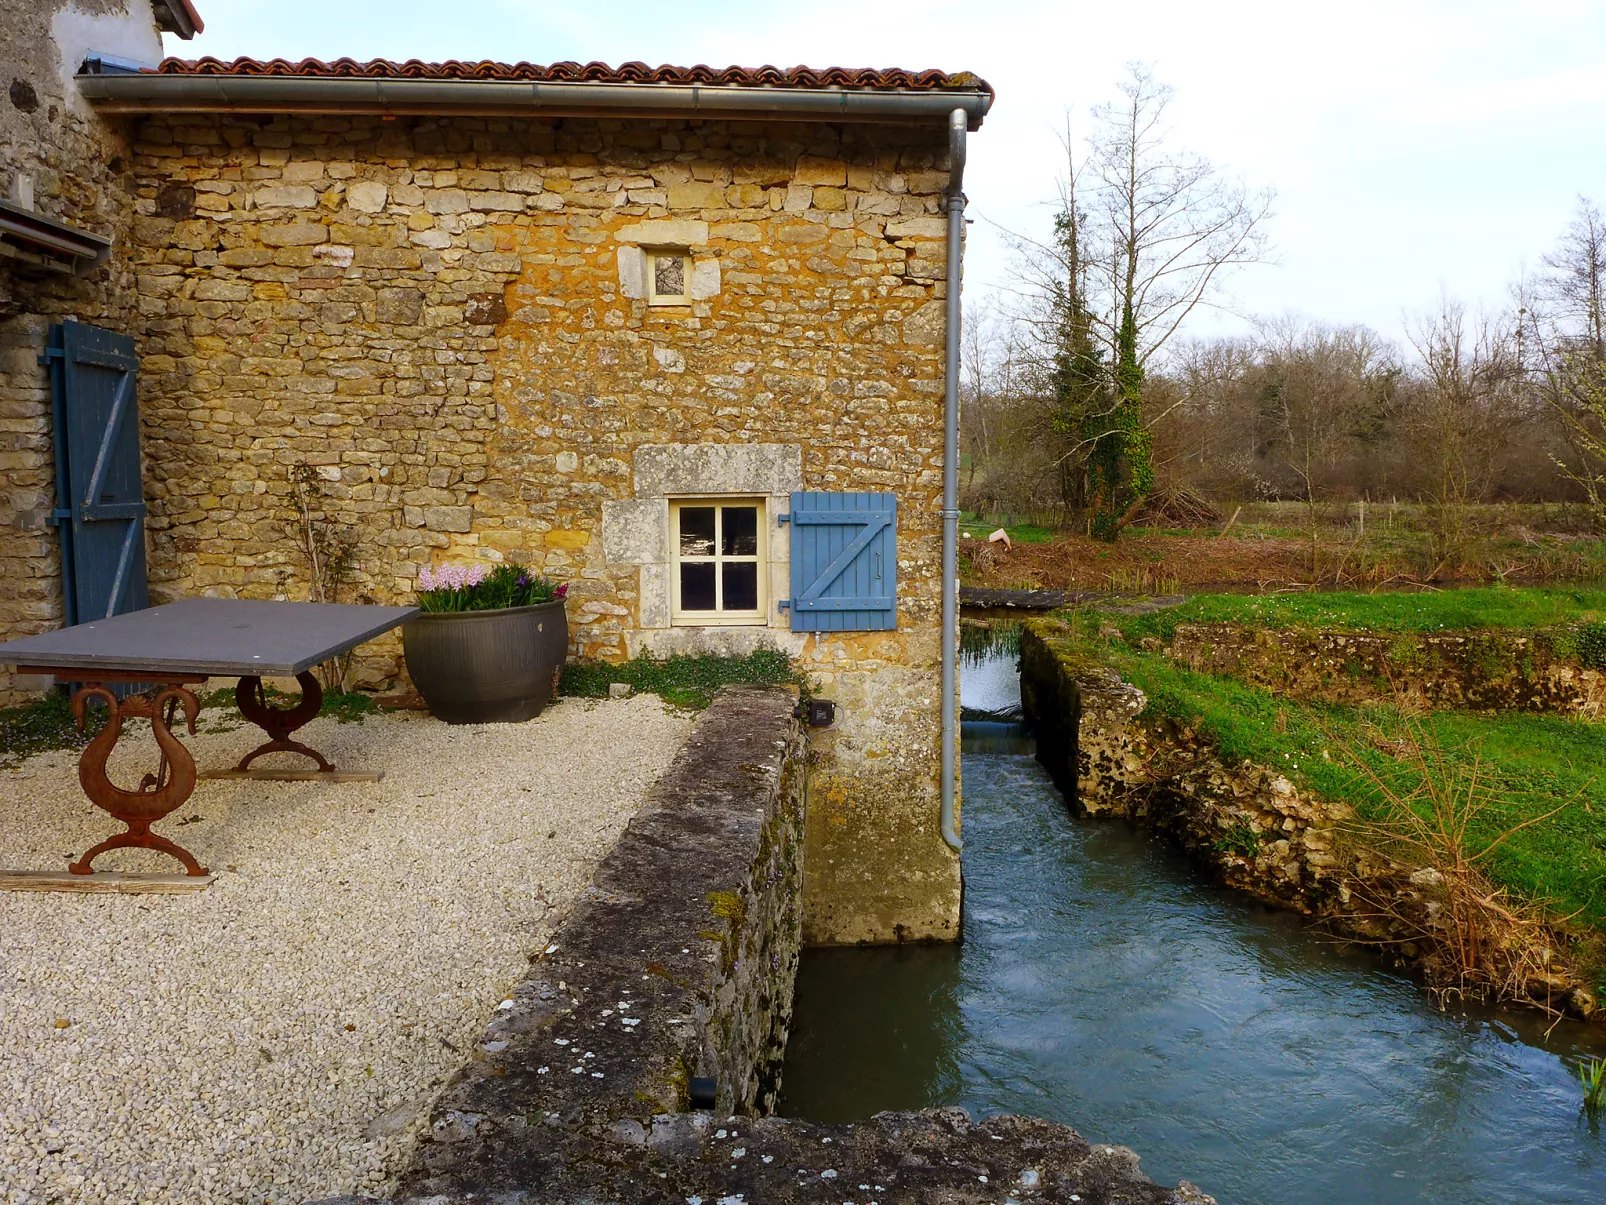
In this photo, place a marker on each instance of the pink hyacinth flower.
(426, 579)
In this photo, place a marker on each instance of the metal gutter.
(957, 126)
(149, 92)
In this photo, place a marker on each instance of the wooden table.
(173, 647)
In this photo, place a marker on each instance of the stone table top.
(226, 637)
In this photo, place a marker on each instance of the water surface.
(1102, 983)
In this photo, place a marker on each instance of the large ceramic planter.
(487, 667)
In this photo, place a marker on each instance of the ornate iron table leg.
(158, 793)
(252, 701)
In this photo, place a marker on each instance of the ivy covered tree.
(1144, 236)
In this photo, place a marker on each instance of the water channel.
(1103, 983)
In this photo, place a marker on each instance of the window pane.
(741, 586)
(697, 586)
(669, 275)
(739, 533)
(697, 531)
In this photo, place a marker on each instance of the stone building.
(617, 324)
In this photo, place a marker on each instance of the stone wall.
(1499, 669)
(444, 320)
(61, 159)
(680, 962)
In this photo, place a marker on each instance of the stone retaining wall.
(679, 963)
(1249, 825)
(1499, 669)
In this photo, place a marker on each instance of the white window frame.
(654, 297)
(759, 616)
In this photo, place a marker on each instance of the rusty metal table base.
(278, 723)
(158, 793)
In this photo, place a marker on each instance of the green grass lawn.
(1427, 611)
(1533, 764)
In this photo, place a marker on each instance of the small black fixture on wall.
(816, 713)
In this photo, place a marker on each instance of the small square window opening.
(668, 274)
(719, 561)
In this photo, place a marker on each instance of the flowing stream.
(1104, 983)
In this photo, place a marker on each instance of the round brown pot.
(487, 667)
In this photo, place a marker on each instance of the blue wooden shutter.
(100, 499)
(844, 562)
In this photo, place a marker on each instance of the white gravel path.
(234, 1045)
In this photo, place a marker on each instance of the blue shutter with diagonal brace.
(844, 562)
(100, 499)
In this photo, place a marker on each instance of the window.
(719, 568)
(668, 278)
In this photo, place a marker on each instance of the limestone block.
(931, 228)
(667, 469)
(367, 197)
(668, 359)
(218, 290)
(668, 232)
(632, 272)
(653, 609)
(635, 531)
(704, 278)
(338, 255)
(696, 195)
(926, 325)
(297, 196)
(297, 234)
(449, 518)
(820, 171)
(403, 306)
(712, 641)
(446, 200)
(495, 202)
(737, 232)
(798, 198)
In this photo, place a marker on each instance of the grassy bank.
(1419, 611)
(1526, 766)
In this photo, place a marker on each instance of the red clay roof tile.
(894, 78)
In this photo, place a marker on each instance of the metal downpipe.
(957, 125)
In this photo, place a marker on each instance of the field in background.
(1270, 546)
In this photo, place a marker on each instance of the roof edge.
(168, 92)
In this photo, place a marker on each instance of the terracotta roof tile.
(894, 78)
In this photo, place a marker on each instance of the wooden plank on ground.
(299, 775)
(103, 881)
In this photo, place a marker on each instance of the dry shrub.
(1471, 938)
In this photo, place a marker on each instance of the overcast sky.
(1417, 147)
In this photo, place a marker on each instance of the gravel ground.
(277, 1036)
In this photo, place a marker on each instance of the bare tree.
(1318, 390)
(1144, 237)
(1470, 403)
(1564, 329)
